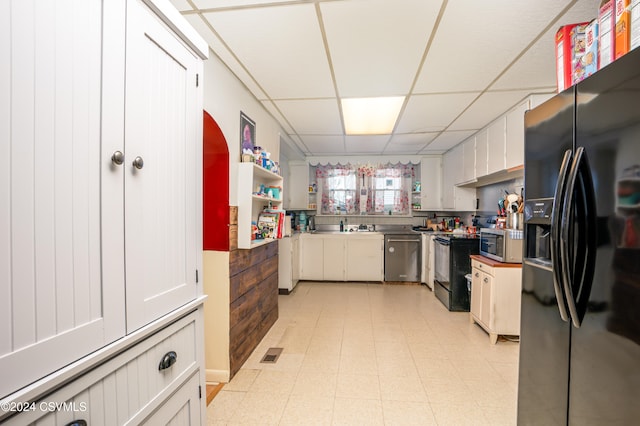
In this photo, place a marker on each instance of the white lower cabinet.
(311, 257)
(288, 263)
(495, 297)
(342, 257)
(133, 387)
(428, 260)
(333, 249)
(182, 409)
(365, 259)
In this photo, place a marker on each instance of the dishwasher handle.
(403, 241)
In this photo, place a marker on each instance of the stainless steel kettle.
(312, 223)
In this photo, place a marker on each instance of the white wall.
(224, 98)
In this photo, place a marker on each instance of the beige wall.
(216, 315)
(224, 98)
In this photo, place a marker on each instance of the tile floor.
(372, 354)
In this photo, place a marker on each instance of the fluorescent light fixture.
(371, 116)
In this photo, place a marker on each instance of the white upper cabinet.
(515, 135)
(496, 146)
(469, 160)
(297, 186)
(482, 153)
(163, 119)
(69, 190)
(57, 301)
(430, 183)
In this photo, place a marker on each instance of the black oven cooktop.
(453, 293)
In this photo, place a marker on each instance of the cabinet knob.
(486, 280)
(117, 158)
(168, 360)
(138, 163)
(477, 274)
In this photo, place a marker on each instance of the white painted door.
(161, 128)
(58, 302)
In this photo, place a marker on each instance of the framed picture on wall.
(247, 134)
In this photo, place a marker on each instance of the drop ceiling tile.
(275, 112)
(317, 116)
(366, 144)
(181, 5)
(487, 108)
(413, 139)
(223, 53)
(477, 40)
(281, 46)
(409, 143)
(324, 144)
(376, 45)
(292, 148)
(218, 4)
(433, 112)
(537, 67)
(447, 140)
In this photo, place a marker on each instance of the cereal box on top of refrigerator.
(635, 24)
(570, 47)
(606, 38)
(622, 28)
(590, 57)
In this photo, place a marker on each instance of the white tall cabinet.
(100, 197)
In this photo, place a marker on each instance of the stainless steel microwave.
(503, 245)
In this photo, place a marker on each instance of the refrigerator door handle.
(580, 196)
(555, 237)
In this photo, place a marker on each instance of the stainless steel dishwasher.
(402, 257)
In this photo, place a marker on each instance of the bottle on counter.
(341, 226)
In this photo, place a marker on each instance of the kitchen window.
(370, 190)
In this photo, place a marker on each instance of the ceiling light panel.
(477, 40)
(376, 45)
(371, 116)
(281, 46)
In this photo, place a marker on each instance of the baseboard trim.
(217, 376)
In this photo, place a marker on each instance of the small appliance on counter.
(503, 245)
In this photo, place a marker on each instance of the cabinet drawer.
(482, 266)
(130, 385)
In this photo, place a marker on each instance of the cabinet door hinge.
(200, 391)
(196, 276)
(197, 80)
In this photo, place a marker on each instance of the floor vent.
(271, 356)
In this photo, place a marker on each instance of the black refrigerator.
(580, 323)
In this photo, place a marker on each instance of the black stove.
(452, 264)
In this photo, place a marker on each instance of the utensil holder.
(515, 220)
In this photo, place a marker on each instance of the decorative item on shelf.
(417, 186)
(247, 135)
(275, 192)
(247, 158)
